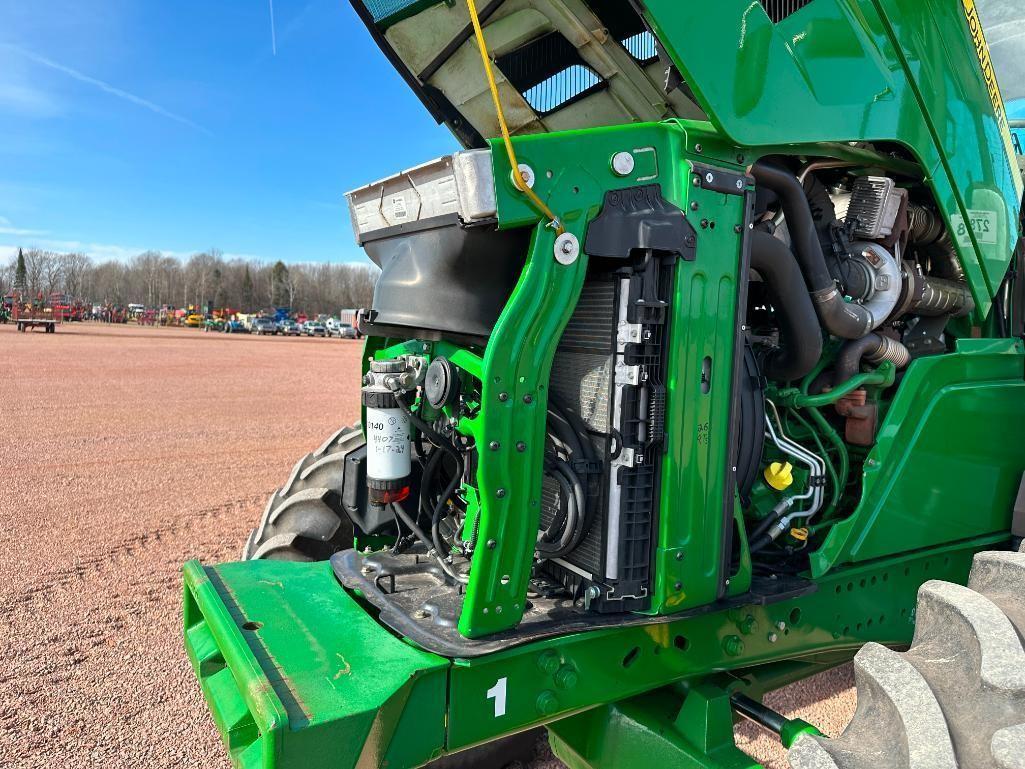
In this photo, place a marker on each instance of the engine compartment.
(848, 276)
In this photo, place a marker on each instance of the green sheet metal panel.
(948, 460)
(508, 691)
(298, 674)
(906, 71)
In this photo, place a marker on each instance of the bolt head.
(773, 638)
(547, 703)
(528, 398)
(709, 177)
(566, 677)
(494, 445)
(548, 662)
(527, 174)
(500, 493)
(567, 248)
(490, 544)
(503, 397)
(521, 446)
(623, 163)
(733, 646)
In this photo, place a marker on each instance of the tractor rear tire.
(304, 520)
(956, 698)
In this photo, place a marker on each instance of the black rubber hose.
(561, 428)
(875, 348)
(447, 446)
(801, 338)
(426, 505)
(579, 427)
(411, 524)
(571, 524)
(849, 321)
(800, 222)
(848, 360)
(439, 541)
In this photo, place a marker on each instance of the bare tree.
(73, 268)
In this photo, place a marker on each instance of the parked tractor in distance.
(705, 375)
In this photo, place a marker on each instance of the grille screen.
(384, 9)
(549, 72)
(780, 9)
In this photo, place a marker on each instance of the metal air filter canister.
(387, 430)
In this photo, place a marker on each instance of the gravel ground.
(126, 451)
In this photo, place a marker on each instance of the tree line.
(207, 278)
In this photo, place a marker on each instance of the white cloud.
(7, 228)
(103, 86)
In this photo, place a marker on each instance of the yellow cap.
(800, 534)
(779, 475)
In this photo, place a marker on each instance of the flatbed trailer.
(27, 316)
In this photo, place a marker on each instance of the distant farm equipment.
(34, 313)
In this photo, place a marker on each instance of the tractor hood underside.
(560, 65)
(853, 70)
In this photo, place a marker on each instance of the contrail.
(273, 38)
(105, 87)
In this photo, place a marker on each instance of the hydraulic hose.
(850, 321)
(801, 340)
(400, 511)
(445, 445)
(568, 537)
(439, 511)
(874, 348)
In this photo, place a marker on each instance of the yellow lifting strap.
(518, 180)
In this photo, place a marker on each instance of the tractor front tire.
(956, 698)
(304, 520)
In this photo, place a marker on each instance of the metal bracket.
(719, 180)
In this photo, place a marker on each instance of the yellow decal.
(989, 75)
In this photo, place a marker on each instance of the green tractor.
(705, 376)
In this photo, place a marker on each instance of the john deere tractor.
(699, 370)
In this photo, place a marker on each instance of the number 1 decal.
(497, 693)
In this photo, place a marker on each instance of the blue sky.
(126, 126)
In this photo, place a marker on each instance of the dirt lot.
(125, 451)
